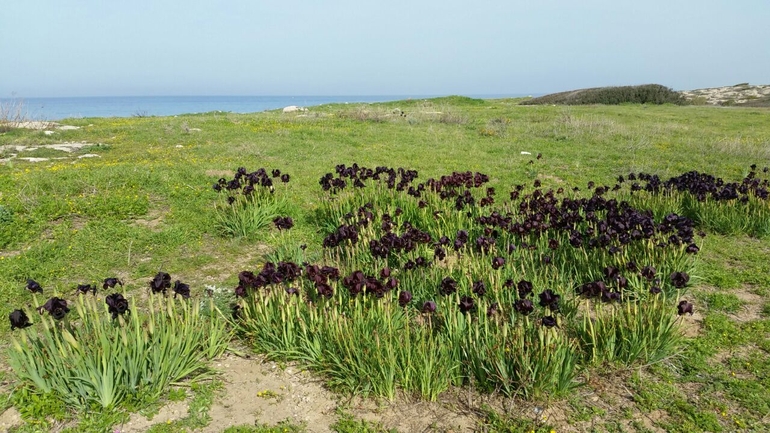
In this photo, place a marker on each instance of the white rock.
(290, 109)
(89, 155)
(48, 132)
(67, 127)
(526, 153)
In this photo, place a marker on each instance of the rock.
(67, 127)
(48, 132)
(293, 108)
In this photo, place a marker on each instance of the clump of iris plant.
(247, 183)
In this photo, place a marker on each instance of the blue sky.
(299, 47)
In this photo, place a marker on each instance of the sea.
(136, 106)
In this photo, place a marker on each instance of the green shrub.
(644, 94)
(93, 360)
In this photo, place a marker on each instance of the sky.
(54, 48)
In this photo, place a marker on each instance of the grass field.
(146, 204)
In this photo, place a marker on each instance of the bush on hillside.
(644, 94)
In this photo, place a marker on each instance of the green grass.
(147, 204)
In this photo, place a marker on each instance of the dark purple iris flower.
(611, 273)
(247, 279)
(524, 306)
(285, 178)
(655, 290)
(181, 289)
(292, 291)
(385, 272)
(448, 286)
(33, 286)
(439, 253)
(648, 272)
(19, 320)
(684, 307)
(548, 298)
(479, 288)
(85, 288)
(493, 309)
(429, 307)
(524, 288)
(549, 321)
(283, 223)
(324, 290)
(56, 307)
(498, 262)
(679, 279)
(692, 249)
(116, 305)
(110, 283)
(608, 296)
(160, 283)
(404, 298)
(466, 304)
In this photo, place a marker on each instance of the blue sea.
(128, 106)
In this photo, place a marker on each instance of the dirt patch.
(225, 264)
(691, 326)
(752, 310)
(168, 413)
(153, 219)
(257, 391)
(451, 413)
(220, 173)
(10, 418)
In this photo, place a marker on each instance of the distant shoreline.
(58, 108)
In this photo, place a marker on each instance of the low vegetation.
(644, 94)
(403, 255)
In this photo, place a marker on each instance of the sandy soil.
(738, 94)
(261, 391)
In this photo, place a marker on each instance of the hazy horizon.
(90, 48)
